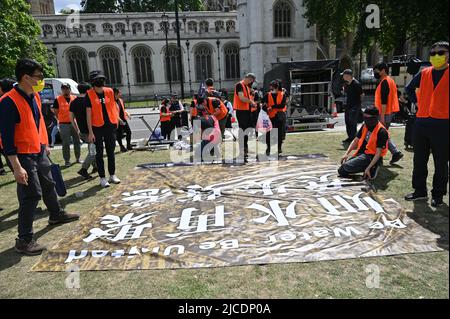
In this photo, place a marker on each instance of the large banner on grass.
(295, 210)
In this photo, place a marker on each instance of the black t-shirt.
(382, 139)
(274, 96)
(78, 108)
(354, 91)
(121, 112)
(101, 97)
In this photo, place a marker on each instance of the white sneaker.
(114, 179)
(104, 183)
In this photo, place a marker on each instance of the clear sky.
(61, 4)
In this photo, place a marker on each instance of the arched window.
(203, 62)
(174, 26)
(171, 61)
(77, 29)
(60, 29)
(149, 27)
(192, 26)
(77, 60)
(107, 28)
(90, 29)
(232, 65)
(47, 30)
(110, 58)
(142, 57)
(136, 27)
(219, 26)
(204, 27)
(282, 18)
(164, 26)
(231, 26)
(120, 28)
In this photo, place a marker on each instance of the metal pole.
(189, 65)
(165, 19)
(55, 50)
(218, 57)
(128, 73)
(180, 58)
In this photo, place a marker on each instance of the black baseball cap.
(94, 75)
(347, 72)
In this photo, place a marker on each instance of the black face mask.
(377, 75)
(371, 122)
(99, 83)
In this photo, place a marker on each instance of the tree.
(19, 38)
(422, 22)
(110, 6)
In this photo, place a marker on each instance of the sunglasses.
(441, 52)
(39, 76)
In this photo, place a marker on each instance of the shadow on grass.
(71, 199)
(435, 220)
(385, 176)
(8, 183)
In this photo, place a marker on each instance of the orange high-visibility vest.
(97, 112)
(392, 106)
(433, 102)
(27, 138)
(122, 107)
(238, 104)
(193, 110)
(165, 118)
(272, 112)
(1, 145)
(210, 108)
(371, 147)
(64, 109)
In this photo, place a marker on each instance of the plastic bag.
(264, 124)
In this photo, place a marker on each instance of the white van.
(52, 89)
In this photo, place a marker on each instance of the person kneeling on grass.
(371, 145)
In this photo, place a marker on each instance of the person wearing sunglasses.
(25, 142)
(429, 91)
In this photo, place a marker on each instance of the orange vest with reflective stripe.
(64, 109)
(27, 138)
(210, 108)
(433, 102)
(166, 118)
(271, 111)
(238, 104)
(371, 147)
(96, 106)
(392, 106)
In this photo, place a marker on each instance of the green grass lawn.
(405, 276)
(148, 104)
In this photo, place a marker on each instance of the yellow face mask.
(438, 61)
(39, 87)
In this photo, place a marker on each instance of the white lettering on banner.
(144, 198)
(288, 236)
(276, 212)
(129, 227)
(224, 244)
(201, 223)
(348, 208)
(397, 223)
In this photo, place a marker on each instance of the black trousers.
(124, 130)
(351, 121)
(40, 185)
(166, 129)
(431, 136)
(245, 120)
(105, 137)
(279, 123)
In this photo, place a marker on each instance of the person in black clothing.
(277, 114)
(368, 157)
(354, 92)
(123, 128)
(6, 85)
(79, 122)
(175, 107)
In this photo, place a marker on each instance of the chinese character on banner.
(276, 212)
(129, 227)
(197, 193)
(143, 198)
(189, 224)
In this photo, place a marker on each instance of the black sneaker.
(415, 197)
(83, 172)
(63, 218)
(29, 248)
(349, 140)
(130, 147)
(123, 149)
(437, 201)
(396, 157)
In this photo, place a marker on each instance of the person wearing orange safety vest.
(429, 89)
(243, 104)
(214, 106)
(124, 128)
(386, 100)
(274, 104)
(103, 120)
(61, 108)
(25, 142)
(6, 85)
(369, 147)
(165, 117)
(210, 90)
